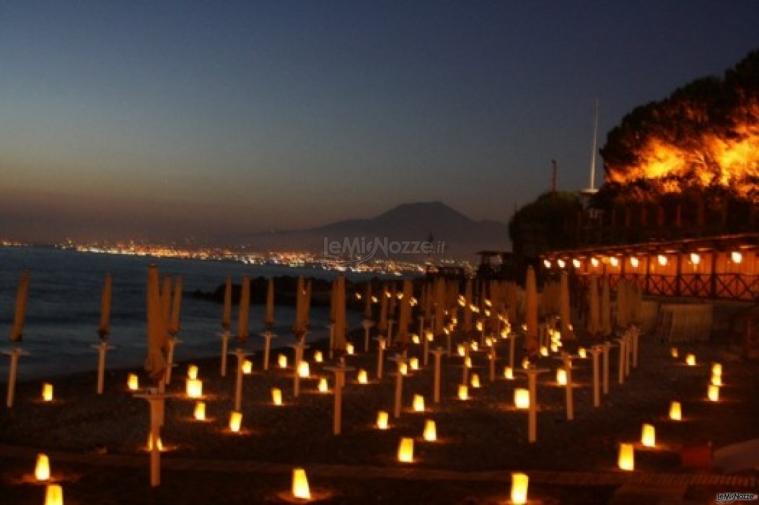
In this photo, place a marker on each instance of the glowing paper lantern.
(247, 367)
(717, 369)
(194, 388)
(525, 363)
(53, 494)
(582, 352)
(475, 381)
(576, 263)
(561, 263)
(508, 373)
(521, 398)
(690, 359)
(349, 349)
(47, 392)
(323, 387)
(200, 411)
(192, 371)
(460, 350)
(736, 257)
(276, 396)
(430, 431)
(712, 393)
(519, 483)
(674, 352)
(414, 363)
(474, 346)
(403, 368)
(415, 339)
(561, 377)
(554, 347)
(235, 421)
(543, 350)
(614, 261)
(675, 411)
(282, 361)
(42, 468)
(418, 404)
(547, 263)
(133, 382)
(626, 458)
(463, 392)
(716, 380)
(662, 260)
(406, 450)
(695, 258)
(382, 420)
(594, 262)
(468, 362)
(634, 262)
(300, 487)
(318, 357)
(648, 435)
(363, 377)
(304, 370)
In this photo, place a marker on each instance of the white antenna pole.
(594, 148)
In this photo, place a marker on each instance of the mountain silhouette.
(421, 221)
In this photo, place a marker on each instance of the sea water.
(63, 311)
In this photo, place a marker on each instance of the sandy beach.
(101, 439)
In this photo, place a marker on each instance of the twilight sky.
(166, 119)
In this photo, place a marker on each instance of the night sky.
(161, 119)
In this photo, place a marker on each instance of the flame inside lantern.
(519, 484)
(300, 487)
(42, 468)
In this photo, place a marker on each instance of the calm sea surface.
(64, 307)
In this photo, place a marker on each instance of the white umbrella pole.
(398, 391)
(380, 356)
(606, 347)
(296, 376)
(13, 354)
(170, 359)
(155, 435)
(425, 348)
(240, 354)
(367, 324)
(621, 362)
(532, 413)
(569, 397)
(436, 393)
(337, 419)
(224, 352)
(267, 348)
(595, 350)
(102, 349)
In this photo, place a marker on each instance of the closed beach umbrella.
(226, 318)
(269, 314)
(594, 307)
(382, 324)
(176, 306)
(605, 307)
(439, 305)
(368, 301)
(468, 306)
(564, 312)
(22, 295)
(531, 312)
(340, 319)
(243, 312)
(155, 364)
(105, 309)
(405, 312)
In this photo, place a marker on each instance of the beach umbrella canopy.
(155, 363)
(368, 301)
(564, 311)
(339, 341)
(104, 328)
(176, 306)
(384, 300)
(22, 296)
(404, 317)
(243, 313)
(605, 307)
(226, 318)
(269, 313)
(531, 312)
(594, 307)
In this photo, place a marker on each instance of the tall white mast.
(593, 149)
